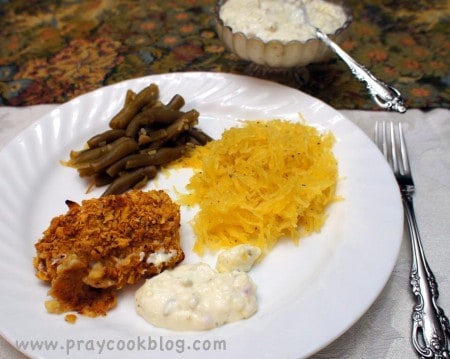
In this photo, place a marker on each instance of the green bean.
(138, 160)
(159, 115)
(154, 135)
(116, 153)
(78, 157)
(165, 115)
(102, 179)
(129, 97)
(130, 179)
(153, 157)
(147, 95)
(176, 102)
(169, 154)
(155, 104)
(159, 157)
(188, 120)
(105, 138)
(114, 169)
(183, 139)
(141, 183)
(199, 135)
(81, 158)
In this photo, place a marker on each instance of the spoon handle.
(385, 96)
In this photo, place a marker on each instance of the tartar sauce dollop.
(240, 257)
(281, 20)
(196, 297)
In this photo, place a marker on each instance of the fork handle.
(431, 330)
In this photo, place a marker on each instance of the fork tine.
(394, 148)
(380, 137)
(386, 142)
(376, 134)
(403, 151)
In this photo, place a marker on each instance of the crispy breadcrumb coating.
(105, 243)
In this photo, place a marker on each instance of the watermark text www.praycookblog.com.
(138, 344)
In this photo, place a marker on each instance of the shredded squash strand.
(260, 182)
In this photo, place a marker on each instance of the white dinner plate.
(308, 294)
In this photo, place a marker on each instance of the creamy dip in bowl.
(274, 32)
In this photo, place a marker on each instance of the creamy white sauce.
(196, 297)
(241, 258)
(281, 20)
(159, 257)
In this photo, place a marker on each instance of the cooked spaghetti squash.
(261, 182)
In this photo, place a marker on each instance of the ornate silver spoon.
(384, 95)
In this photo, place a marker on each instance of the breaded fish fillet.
(104, 244)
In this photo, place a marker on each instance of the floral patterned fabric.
(53, 51)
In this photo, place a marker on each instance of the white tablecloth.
(384, 331)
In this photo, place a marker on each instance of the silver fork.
(430, 326)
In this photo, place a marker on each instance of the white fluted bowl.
(275, 53)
